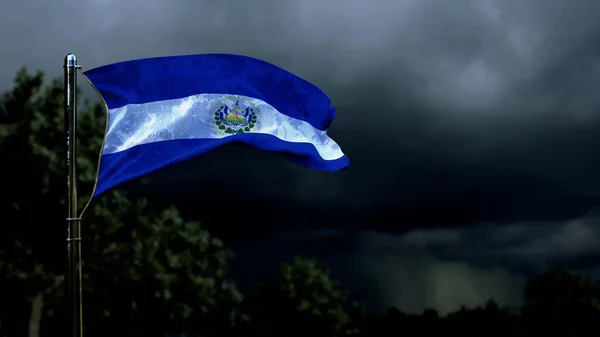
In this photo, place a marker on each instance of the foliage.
(31, 210)
(562, 302)
(303, 299)
(172, 275)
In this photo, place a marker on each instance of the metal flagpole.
(73, 220)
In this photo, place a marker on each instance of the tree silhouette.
(562, 303)
(493, 320)
(303, 299)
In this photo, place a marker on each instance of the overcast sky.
(472, 128)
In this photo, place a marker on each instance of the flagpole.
(73, 220)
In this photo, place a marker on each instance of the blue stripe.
(120, 167)
(164, 78)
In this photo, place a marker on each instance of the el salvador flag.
(165, 110)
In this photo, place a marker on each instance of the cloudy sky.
(473, 129)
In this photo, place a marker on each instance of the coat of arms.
(237, 118)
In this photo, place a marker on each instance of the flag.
(165, 110)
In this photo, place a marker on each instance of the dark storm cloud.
(442, 268)
(520, 247)
(482, 109)
(385, 271)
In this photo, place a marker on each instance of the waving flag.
(165, 110)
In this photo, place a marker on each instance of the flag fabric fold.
(165, 110)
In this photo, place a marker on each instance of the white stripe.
(193, 118)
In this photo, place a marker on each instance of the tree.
(491, 318)
(146, 270)
(29, 268)
(303, 300)
(162, 274)
(562, 303)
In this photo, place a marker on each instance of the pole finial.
(70, 61)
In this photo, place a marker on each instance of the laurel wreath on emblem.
(237, 122)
